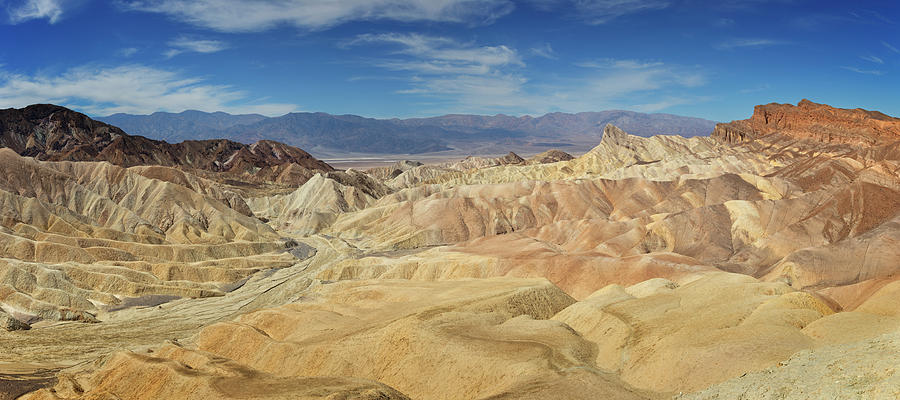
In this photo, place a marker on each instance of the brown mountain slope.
(54, 133)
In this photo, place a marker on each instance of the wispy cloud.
(185, 44)
(129, 88)
(890, 47)
(871, 16)
(739, 5)
(544, 51)
(128, 51)
(760, 88)
(664, 104)
(52, 10)
(455, 76)
(723, 22)
(612, 63)
(647, 86)
(616, 78)
(748, 43)
(258, 15)
(863, 71)
(433, 54)
(596, 12)
(457, 72)
(818, 22)
(872, 59)
(813, 22)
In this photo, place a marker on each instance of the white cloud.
(751, 43)
(258, 15)
(738, 5)
(455, 72)
(477, 93)
(453, 76)
(128, 51)
(544, 51)
(761, 88)
(613, 63)
(663, 104)
(130, 89)
(36, 9)
(872, 59)
(444, 51)
(185, 44)
(646, 86)
(597, 12)
(723, 22)
(864, 71)
(618, 78)
(890, 47)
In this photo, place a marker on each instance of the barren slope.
(750, 266)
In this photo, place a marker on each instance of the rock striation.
(78, 237)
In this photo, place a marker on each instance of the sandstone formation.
(760, 262)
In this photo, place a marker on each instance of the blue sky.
(410, 58)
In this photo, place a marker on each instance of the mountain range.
(322, 133)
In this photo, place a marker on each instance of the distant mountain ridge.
(466, 133)
(170, 126)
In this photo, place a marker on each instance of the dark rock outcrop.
(550, 156)
(8, 323)
(54, 133)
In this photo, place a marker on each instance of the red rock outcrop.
(808, 120)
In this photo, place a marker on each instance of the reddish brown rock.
(808, 120)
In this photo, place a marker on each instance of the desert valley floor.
(759, 262)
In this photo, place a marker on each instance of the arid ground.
(760, 262)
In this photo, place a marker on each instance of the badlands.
(760, 262)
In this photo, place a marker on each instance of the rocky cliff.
(808, 120)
